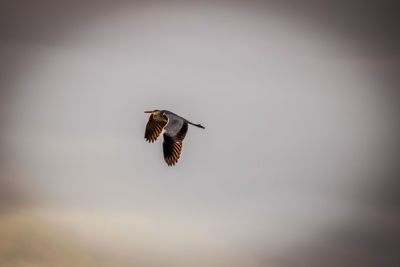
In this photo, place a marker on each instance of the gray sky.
(297, 128)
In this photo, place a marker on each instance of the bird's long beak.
(148, 112)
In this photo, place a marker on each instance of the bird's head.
(157, 114)
(154, 112)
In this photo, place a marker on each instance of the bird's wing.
(154, 129)
(182, 132)
(172, 145)
(172, 149)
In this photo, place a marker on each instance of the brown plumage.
(154, 128)
(175, 129)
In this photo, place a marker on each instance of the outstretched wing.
(154, 129)
(172, 145)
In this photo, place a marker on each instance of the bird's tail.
(197, 125)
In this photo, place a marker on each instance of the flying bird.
(174, 129)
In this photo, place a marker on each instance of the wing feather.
(172, 145)
(154, 129)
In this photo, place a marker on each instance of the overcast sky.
(300, 128)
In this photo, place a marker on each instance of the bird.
(174, 129)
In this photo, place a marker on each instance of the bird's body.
(174, 129)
